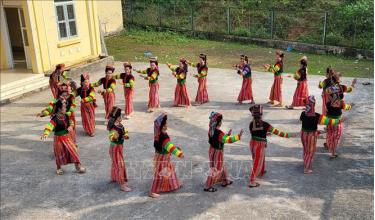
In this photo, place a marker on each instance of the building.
(38, 34)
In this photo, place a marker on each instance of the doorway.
(19, 44)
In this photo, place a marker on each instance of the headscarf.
(310, 106)
(128, 64)
(60, 67)
(158, 125)
(109, 67)
(215, 119)
(62, 90)
(154, 60)
(303, 61)
(244, 57)
(334, 93)
(84, 76)
(184, 63)
(115, 113)
(257, 112)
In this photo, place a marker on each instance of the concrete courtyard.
(338, 189)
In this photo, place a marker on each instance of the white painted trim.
(5, 33)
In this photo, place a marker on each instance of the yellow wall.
(3, 58)
(46, 49)
(110, 16)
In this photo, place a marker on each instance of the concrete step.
(24, 80)
(20, 87)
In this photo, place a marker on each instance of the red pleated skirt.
(128, 100)
(202, 95)
(301, 94)
(309, 140)
(334, 133)
(88, 117)
(65, 150)
(153, 97)
(246, 92)
(258, 152)
(218, 172)
(118, 169)
(276, 89)
(181, 96)
(109, 102)
(165, 178)
(324, 101)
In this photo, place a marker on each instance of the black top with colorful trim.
(180, 75)
(259, 130)
(302, 74)
(219, 138)
(122, 134)
(246, 71)
(153, 75)
(107, 83)
(58, 125)
(310, 123)
(165, 146)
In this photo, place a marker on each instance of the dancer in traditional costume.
(181, 96)
(217, 139)
(335, 105)
(88, 104)
(259, 129)
(244, 70)
(165, 178)
(277, 70)
(309, 133)
(302, 90)
(128, 82)
(152, 75)
(55, 80)
(108, 92)
(202, 95)
(65, 149)
(323, 85)
(71, 105)
(117, 135)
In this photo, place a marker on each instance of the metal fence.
(315, 27)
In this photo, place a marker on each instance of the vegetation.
(169, 46)
(332, 22)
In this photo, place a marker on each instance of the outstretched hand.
(39, 115)
(241, 132)
(354, 82)
(229, 132)
(43, 137)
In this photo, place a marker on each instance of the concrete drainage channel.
(24, 87)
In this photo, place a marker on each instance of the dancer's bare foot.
(271, 102)
(252, 185)
(154, 195)
(289, 106)
(278, 105)
(59, 172)
(307, 171)
(125, 188)
(80, 168)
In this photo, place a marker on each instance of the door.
(24, 38)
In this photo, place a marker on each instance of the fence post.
(325, 28)
(228, 20)
(192, 17)
(272, 20)
(159, 13)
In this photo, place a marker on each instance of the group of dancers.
(63, 124)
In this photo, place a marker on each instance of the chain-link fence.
(315, 27)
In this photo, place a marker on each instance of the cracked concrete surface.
(339, 189)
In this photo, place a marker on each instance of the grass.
(169, 46)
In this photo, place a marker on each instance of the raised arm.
(324, 120)
(192, 64)
(90, 97)
(170, 148)
(48, 110)
(274, 68)
(142, 71)
(279, 133)
(225, 138)
(98, 83)
(171, 67)
(50, 127)
(64, 74)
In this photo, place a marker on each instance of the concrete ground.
(338, 189)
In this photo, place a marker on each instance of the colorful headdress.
(334, 93)
(109, 67)
(115, 113)
(154, 60)
(158, 124)
(203, 56)
(256, 110)
(310, 105)
(244, 57)
(63, 88)
(280, 53)
(85, 76)
(60, 66)
(128, 64)
(215, 119)
(182, 60)
(303, 61)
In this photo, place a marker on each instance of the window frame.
(66, 20)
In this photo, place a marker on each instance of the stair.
(18, 88)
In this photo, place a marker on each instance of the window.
(66, 19)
